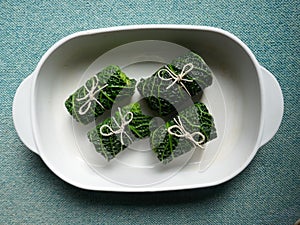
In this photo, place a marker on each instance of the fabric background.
(266, 192)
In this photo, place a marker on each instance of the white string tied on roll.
(177, 78)
(185, 134)
(90, 96)
(125, 120)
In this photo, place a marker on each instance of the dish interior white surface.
(138, 165)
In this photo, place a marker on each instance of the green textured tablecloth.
(267, 192)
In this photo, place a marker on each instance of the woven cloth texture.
(266, 192)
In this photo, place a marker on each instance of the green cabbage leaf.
(192, 121)
(99, 93)
(109, 138)
(166, 95)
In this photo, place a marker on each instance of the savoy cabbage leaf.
(99, 93)
(116, 133)
(194, 120)
(176, 85)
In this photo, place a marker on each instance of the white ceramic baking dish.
(245, 100)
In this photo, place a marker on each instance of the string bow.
(184, 133)
(125, 120)
(90, 96)
(177, 78)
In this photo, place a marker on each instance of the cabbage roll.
(176, 85)
(99, 93)
(116, 133)
(191, 128)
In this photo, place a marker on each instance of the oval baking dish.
(245, 100)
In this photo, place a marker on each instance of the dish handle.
(22, 113)
(273, 109)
